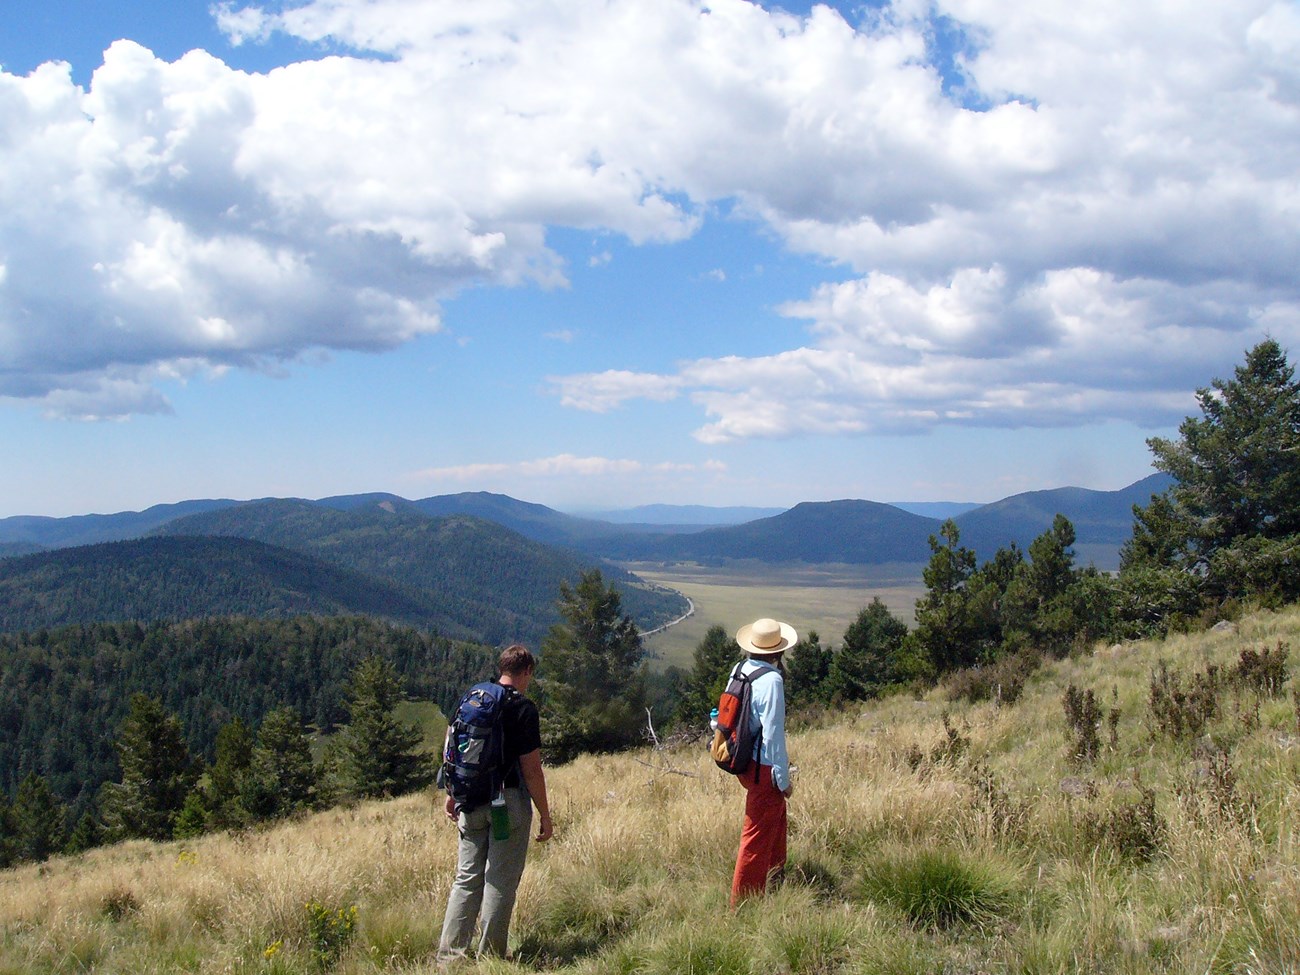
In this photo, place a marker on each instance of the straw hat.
(766, 638)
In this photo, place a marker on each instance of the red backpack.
(735, 741)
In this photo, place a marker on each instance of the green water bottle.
(500, 817)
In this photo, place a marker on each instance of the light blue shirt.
(767, 710)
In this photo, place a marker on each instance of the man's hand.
(545, 829)
(451, 810)
(789, 790)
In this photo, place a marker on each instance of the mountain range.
(474, 566)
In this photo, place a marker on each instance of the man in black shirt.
(488, 870)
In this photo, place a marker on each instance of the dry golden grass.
(992, 815)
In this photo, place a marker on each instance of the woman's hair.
(516, 659)
(768, 658)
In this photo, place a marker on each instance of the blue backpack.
(473, 756)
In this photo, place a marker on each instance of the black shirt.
(521, 732)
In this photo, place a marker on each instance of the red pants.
(762, 841)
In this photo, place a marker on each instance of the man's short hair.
(516, 659)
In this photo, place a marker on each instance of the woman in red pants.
(762, 841)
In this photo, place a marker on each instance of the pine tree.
(946, 631)
(867, 661)
(592, 674)
(234, 752)
(6, 835)
(85, 836)
(281, 778)
(156, 774)
(712, 662)
(38, 820)
(1232, 519)
(807, 672)
(380, 755)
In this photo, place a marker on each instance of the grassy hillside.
(926, 836)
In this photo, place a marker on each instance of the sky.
(604, 253)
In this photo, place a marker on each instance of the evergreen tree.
(6, 836)
(156, 774)
(281, 778)
(380, 755)
(1232, 519)
(1041, 606)
(234, 753)
(85, 836)
(593, 674)
(991, 604)
(714, 657)
(946, 632)
(38, 820)
(867, 661)
(807, 672)
(194, 817)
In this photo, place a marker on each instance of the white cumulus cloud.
(1066, 215)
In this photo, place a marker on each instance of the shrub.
(1001, 681)
(1008, 816)
(1262, 671)
(1183, 711)
(329, 931)
(1134, 828)
(1083, 719)
(119, 903)
(940, 888)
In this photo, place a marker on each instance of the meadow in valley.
(822, 598)
(1130, 809)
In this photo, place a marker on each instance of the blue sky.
(601, 253)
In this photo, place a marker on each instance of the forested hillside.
(492, 581)
(65, 691)
(190, 577)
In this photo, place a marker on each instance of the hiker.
(488, 870)
(762, 840)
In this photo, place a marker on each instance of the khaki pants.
(487, 876)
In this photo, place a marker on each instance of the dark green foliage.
(65, 692)
(36, 820)
(156, 776)
(191, 578)
(593, 674)
(945, 629)
(714, 657)
(192, 820)
(234, 753)
(869, 659)
(86, 835)
(280, 778)
(807, 673)
(486, 582)
(380, 755)
(1232, 519)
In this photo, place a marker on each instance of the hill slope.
(490, 580)
(64, 691)
(189, 577)
(926, 835)
(866, 532)
(1101, 519)
(92, 529)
